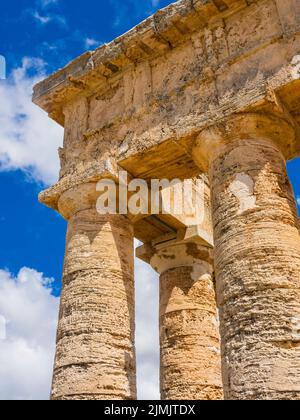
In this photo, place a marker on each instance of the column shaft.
(257, 261)
(95, 358)
(189, 330)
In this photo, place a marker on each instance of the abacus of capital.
(206, 89)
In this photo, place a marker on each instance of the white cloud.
(46, 3)
(42, 19)
(28, 138)
(147, 331)
(46, 12)
(45, 19)
(91, 42)
(28, 345)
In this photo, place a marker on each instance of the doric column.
(257, 255)
(95, 357)
(189, 336)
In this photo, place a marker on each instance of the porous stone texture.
(202, 86)
(257, 258)
(95, 357)
(189, 329)
(141, 98)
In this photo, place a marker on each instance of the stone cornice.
(153, 37)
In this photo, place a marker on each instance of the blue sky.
(59, 30)
(36, 38)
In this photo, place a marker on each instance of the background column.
(257, 256)
(95, 357)
(189, 336)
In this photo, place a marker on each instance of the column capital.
(243, 127)
(78, 198)
(173, 254)
(78, 183)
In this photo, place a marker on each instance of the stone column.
(189, 330)
(95, 357)
(257, 255)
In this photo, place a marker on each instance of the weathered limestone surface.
(202, 86)
(189, 329)
(257, 256)
(143, 98)
(95, 356)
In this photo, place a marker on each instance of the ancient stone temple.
(204, 89)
